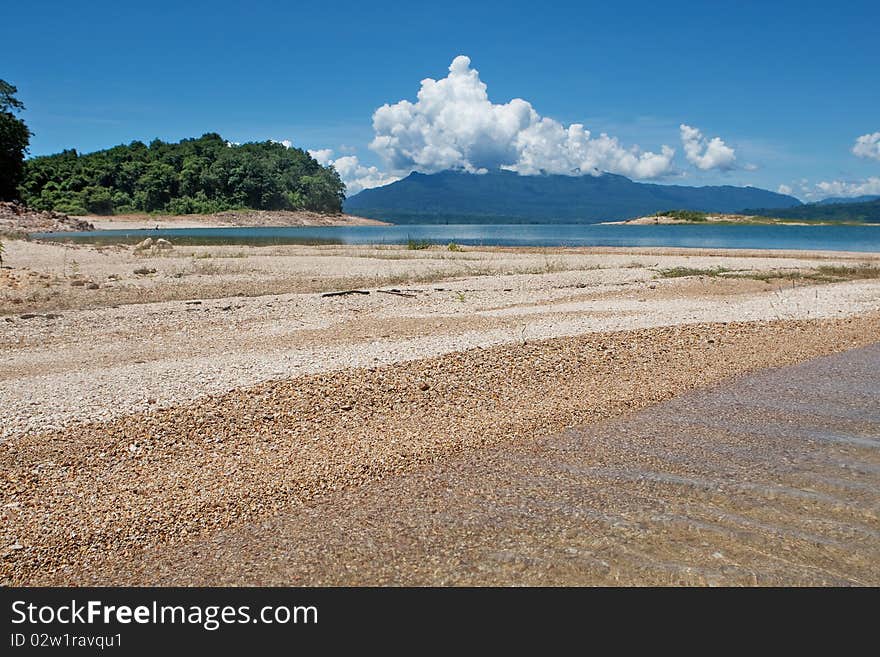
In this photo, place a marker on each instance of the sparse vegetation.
(453, 247)
(208, 254)
(844, 272)
(206, 268)
(777, 275)
(820, 274)
(681, 272)
(413, 244)
(684, 215)
(550, 266)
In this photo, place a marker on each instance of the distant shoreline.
(727, 220)
(232, 218)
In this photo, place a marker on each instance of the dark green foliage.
(855, 213)
(505, 197)
(683, 215)
(201, 175)
(14, 140)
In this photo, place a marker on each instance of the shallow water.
(830, 238)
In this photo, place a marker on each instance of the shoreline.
(633, 499)
(230, 219)
(727, 220)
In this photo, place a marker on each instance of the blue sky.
(787, 87)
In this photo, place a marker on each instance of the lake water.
(831, 238)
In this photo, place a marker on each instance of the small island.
(811, 214)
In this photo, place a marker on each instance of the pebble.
(293, 444)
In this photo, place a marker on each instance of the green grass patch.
(767, 276)
(852, 273)
(684, 215)
(820, 274)
(418, 245)
(682, 272)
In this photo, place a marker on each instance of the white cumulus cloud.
(868, 146)
(705, 153)
(324, 156)
(785, 189)
(811, 192)
(453, 124)
(356, 176)
(870, 186)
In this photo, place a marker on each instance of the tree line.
(201, 175)
(14, 140)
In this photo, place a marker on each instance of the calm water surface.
(832, 238)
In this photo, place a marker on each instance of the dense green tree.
(14, 140)
(201, 175)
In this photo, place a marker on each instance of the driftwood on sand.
(342, 293)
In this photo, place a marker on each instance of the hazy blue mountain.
(833, 200)
(868, 212)
(506, 197)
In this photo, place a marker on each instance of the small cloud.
(323, 155)
(868, 146)
(785, 189)
(706, 154)
(355, 175)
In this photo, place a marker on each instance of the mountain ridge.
(507, 197)
(864, 212)
(848, 200)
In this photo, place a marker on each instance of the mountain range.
(507, 197)
(834, 200)
(867, 212)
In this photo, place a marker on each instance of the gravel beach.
(158, 410)
(769, 479)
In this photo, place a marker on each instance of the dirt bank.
(228, 219)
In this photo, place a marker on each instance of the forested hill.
(506, 197)
(201, 175)
(834, 200)
(868, 212)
